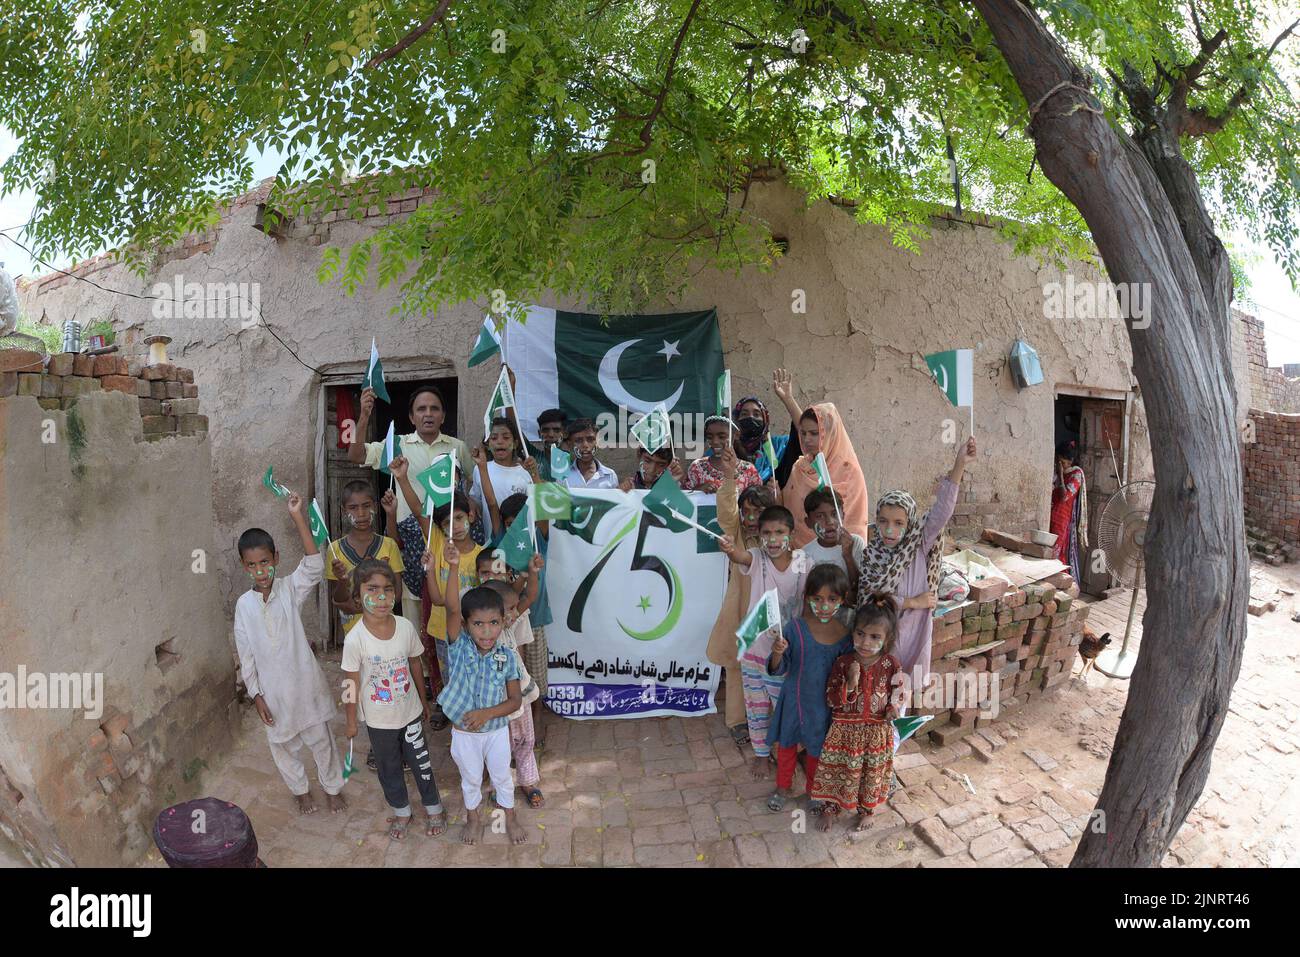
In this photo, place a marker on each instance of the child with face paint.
(834, 543)
(280, 673)
(360, 542)
(904, 559)
(773, 563)
(865, 690)
(650, 466)
(809, 645)
(383, 677)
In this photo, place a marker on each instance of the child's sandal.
(776, 803)
(435, 825)
(534, 797)
(397, 827)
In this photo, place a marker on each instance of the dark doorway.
(1097, 425)
(339, 471)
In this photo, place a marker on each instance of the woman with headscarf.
(1069, 522)
(822, 430)
(904, 559)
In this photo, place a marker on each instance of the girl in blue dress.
(803, 655)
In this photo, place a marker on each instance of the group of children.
(473, 654)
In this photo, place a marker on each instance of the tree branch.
(668, 76)
(434, 18)
(1199, 121)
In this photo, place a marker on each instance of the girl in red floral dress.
(857, 761)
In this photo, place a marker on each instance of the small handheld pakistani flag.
(724, 399)
(561, 462)
(668, 502)
(503, 397)
(390, 450)
(653, 430)
(763, 617)
(437, 480)
(347, 762)
(517, 545)
(904, 728)
(954, 373)
(549, 501)
(824, 481)
(770, 451)
(375, 374)
(269, 481)
(320, 531)
(488, 343)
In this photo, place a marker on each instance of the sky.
(1270, 298)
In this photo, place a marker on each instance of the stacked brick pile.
(168, 397)
(1271, 470)
(1028, 637)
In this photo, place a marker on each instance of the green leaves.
(533, 123)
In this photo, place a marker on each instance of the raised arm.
(452, 597)
(357, 450)
(728, 500)
(535, 565)
(946, 499)
(741, 556)
(479, 454)
(783, 386)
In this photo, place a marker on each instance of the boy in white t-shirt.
(382, 672)
(834, 543)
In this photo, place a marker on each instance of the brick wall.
(167, 395)
(1030, 638)
(1271, 472)
(1270, 389)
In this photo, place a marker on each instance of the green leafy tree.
(606, 149)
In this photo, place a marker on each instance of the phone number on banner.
(614, 701)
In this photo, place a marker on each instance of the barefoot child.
(481, 693)
(803, 655)
(904, 560)
(775, 563)
(857, 761)
(280, 672)
(384, 677)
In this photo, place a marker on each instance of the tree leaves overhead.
(598, 148)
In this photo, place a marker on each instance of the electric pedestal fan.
(1121, 536)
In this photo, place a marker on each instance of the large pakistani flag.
(575, 362)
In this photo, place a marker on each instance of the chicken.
(1090, 646)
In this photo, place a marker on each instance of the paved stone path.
(673, 791)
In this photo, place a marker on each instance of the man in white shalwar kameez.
(279, 669)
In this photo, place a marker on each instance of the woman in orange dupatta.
(822, 430)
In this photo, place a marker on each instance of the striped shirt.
(477, 680)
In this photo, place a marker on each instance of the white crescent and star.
(613, 385)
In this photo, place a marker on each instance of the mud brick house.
(117, 683)
(873, 312)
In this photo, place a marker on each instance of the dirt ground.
(672, 791)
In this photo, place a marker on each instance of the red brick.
(119, 383)
(61, 364)
(109, 365)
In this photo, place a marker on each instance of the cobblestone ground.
(673, 791)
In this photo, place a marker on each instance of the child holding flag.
(904, 559)
(828, 461)
(738, 518)
(497, 473)
(587, 470)
(537, 611)
(775, 564)
(280, 673)
(864, 690)
(803, 655)
(360, 543)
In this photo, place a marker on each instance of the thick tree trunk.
(1145, 213)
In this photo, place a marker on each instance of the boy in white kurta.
(280, 672)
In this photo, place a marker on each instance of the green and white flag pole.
(954, 373)
(824, 481)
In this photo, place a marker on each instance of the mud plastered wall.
(110, 571)
(873, 311)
